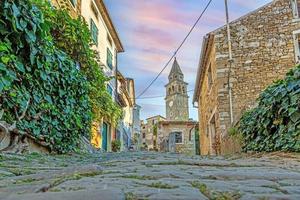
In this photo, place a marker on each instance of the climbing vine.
(274, 125)
(73, 36)
(40, 83)
(41, 87)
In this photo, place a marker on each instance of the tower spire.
(176, 95)
(175, 71)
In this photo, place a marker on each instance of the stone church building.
(177, 132)
(265, 46)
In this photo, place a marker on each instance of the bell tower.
(177, 106)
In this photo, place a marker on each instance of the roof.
(123, 91)
(156, 116)
(178, 122)
(110, 25)
(175, 68)
(206, 47)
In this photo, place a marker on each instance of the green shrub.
(116, 145)
(40, 87)
(274, 125)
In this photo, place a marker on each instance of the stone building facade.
(182, 135)
(149, 132)
(177, 132)
(265, 46)
(108, 45)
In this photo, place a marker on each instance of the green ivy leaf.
(20, 67)
(5, 59)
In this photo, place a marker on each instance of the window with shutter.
(109, 89)
(109, 59)
(94, 32)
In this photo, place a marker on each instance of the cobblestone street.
(149, 176)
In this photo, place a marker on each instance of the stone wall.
(208, 105)
(188, 133)
(263, 51)
(149, 129)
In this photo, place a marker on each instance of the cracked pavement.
(149, 175)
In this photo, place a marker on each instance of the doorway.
(104, 136)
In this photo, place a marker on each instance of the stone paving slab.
(149, 175)
(76, 195)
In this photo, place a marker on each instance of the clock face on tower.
(171, 103)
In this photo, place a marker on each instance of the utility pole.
(230, 60)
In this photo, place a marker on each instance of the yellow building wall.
(96, 139)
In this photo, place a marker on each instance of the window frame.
(181, 134)
(295, 8)
(296, 37)
(94, 28)
(108, 61)
(109, 89)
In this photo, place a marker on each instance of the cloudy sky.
(151, 30)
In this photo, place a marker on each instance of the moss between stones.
(25, 181)
(215, 195)
(76, 176)
(161, 185)
(138, 177)
(131, 196)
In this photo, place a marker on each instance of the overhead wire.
(155, 97)
(181, 44)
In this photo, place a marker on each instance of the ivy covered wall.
(41, 86)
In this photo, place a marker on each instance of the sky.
(151, 31)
